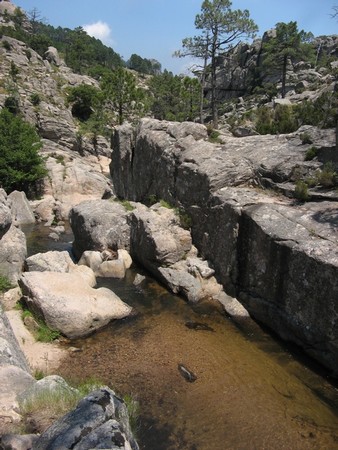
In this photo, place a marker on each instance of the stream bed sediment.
(251, 391)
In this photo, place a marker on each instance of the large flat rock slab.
(67, 303)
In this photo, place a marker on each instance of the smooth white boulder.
(67, 303)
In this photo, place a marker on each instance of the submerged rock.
(186, 373)
(198, 326)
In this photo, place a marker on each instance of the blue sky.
(155, 28)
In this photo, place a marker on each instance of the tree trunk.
(213, 94)
(204, 76)
(285, 63)
(120, 113)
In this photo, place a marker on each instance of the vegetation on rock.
(5, 284)
(284, 47)
(21, 166)
(174, 97)
(120, 90)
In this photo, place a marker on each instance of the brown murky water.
(251, 393)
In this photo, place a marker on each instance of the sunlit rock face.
(278, 256)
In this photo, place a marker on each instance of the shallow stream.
(252, 392)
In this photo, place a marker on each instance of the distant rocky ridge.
(78, 167)
(237, 69)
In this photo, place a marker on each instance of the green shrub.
(213, 135)
(281, 120)
(133, 408)
(165, 204)
(128, 206)
(60, 159)
(152, 199)
(285, 119)
(39, 374)
(301, 191)
(311, 153)
(305, 138)
(327, 177)
(46, 334)
(5, 284)
(320, 113)
(54, 403)
(57, 402)
(264, 121)
(88, 385)
(26, 313)
(83, 99)
(14, 71)
(21, 166)
(43, 332)
(35, 99)
(185, 220)
(28, 54)
(6, 45)
(12, 104)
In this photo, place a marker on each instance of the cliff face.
(77, 164)
(280, 258)
(239, 70)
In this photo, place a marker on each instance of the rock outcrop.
(99, 225)
(107, 264)
(237, 70)
(14, 375)
(279, 258)
(21, 210)
(148, 161)
(99, 421)
(68, 304)
(157, 242)
(77, 164)
(13, 248)
(72, 180)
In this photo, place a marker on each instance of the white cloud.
(100, 30)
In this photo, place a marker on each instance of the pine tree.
(221, 28)
(288, 45)
(21, 166)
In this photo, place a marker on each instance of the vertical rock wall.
(279, 258)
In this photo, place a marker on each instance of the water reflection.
(39, 241)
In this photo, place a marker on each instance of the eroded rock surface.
(13, 248)
(278, 257)
(99, 225)
(99, 421)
